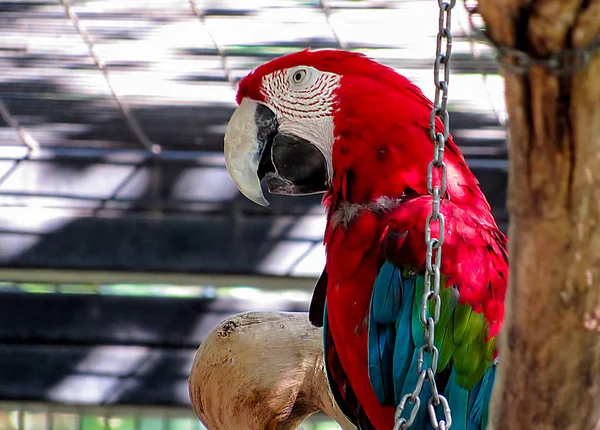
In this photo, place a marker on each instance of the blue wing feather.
(381, 356)
(386, 302)
(394, 337)
(385, 309)
(404, 346)
(458, 400)
(408, 385)
(418, 331)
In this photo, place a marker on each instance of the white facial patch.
(303, 99)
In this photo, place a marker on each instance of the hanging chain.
(565, 62)
(433, 256)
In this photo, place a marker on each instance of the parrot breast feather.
(473, 285)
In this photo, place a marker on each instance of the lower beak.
(255, 150)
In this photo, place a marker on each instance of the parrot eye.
(298, 76)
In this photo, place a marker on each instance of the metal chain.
(433, 256)
(565, 62)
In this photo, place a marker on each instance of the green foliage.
(142, 420)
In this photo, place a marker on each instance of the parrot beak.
(250, 128)
(255, 150)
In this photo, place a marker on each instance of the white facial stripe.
(315, 100)
(304, 110)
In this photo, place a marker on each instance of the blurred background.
(123, 242)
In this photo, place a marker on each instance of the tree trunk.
(549, 374)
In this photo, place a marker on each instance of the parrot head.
(282, 131)
(316, 121)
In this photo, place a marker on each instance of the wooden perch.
(260, 371)
(550, 354)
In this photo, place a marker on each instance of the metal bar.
(268, 283)
(21, 418)
(327, 11)
(124, 156)
(132, 122)
(479, 61)
(48, 195)
(146, 201)
(98, 410)
(119, 187)
(218, 48)
(26, 138)
(209, 160)
(133, 410)
(316, 243)
(137, 421)
(183, 209)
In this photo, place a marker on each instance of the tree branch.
(262, 370)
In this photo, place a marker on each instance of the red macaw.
(340, 123)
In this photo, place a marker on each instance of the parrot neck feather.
(347, 212)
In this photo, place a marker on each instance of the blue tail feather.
(473, 424)
(480, 410)
(458, 400)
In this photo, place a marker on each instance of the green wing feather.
(465, 371)
(459, 334)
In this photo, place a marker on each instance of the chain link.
(433, 256)
(565, 62)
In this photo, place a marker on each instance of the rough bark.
(550, 351)
(261, 371)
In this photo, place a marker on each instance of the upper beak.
(255, 150)
(249, 129)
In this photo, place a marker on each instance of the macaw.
(339, 123)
